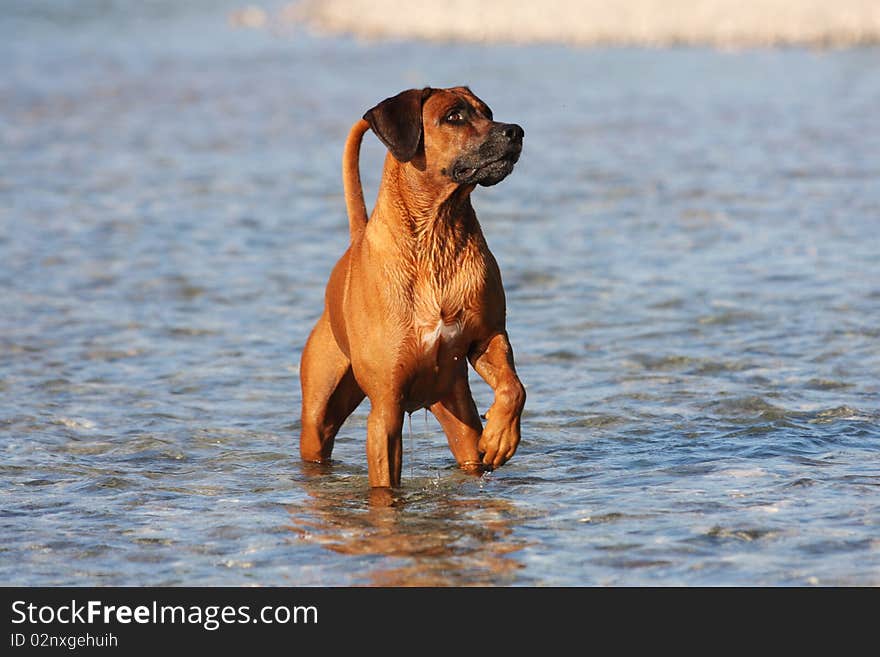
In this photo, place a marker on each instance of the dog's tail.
(351, 179)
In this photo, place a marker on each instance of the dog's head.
(449, 134)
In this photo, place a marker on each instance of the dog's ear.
(397, 122)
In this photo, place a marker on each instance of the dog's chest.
(442, 333)
(444, 301)
(442, 315)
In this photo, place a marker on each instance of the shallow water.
(689, 246)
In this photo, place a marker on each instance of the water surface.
(689, 246)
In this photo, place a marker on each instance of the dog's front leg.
(493, 360)
(384, 443)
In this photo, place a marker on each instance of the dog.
(417, 294)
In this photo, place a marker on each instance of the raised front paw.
(499, 442)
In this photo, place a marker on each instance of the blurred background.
(723, 23)
(689, 248)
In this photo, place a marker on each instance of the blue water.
(690, 251)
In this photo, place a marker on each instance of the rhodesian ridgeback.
(418, 293)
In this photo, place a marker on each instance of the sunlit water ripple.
(689, 246)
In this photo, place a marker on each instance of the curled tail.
(351, 179)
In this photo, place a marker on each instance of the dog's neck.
(431, 227)
(428, 210)
(432, 234)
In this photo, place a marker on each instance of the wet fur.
(417, 295)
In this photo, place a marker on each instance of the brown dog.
(417, 290)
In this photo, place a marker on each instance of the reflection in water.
(432, 534)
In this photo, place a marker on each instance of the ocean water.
(689, 246)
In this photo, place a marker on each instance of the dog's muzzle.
(493, 160)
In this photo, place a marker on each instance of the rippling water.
(690, 251)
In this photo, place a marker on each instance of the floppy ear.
(397, 122)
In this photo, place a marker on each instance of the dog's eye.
(455, 116)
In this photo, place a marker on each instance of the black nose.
(513, 132)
